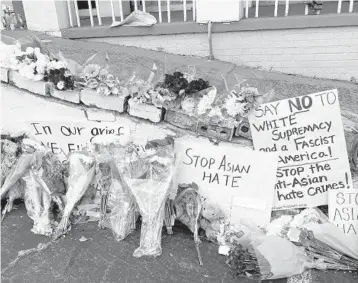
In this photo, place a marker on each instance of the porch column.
(49, 15)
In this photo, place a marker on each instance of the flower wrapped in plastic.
(335, 251)
(37, 194)
(269, 257)
(81, 172)
(148, 174)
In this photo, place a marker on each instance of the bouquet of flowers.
(260, 261)
(148, 175)
(98, 78)
(302, 229)
(81, 173)
(37, 195)
(59, 75)
(178, 86)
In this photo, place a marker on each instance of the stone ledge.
(38, 87)
(115, 103)
(107, 107)
(68, 95)
(145, 111)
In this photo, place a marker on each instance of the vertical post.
(194, 10)
(246, 8)
(276, 8)
(184, 9)
(69, 12)
(121, 10)
(135, 5)
(160, 10)
(306, 10)
(144, 7)
(90, 12)
(351, 6)
(112, 9)
(287, 7)
(98, 13)
(77, 14)
(257, 8)
(339, 7)
(168, 8)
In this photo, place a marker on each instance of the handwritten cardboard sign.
(307, 133)
(240, 181)
(343, 210)
(65, 137)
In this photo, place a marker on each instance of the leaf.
(75, 68)
(90, 59)
(62, 57)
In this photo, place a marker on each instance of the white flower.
(27, 71)
(206, 101)
(53, 65)
(279, 226)
(29, 50)
(60, 85)
(91, 70)
(103, 90)
(216, 111)
(38, 77)
(188, 105)
(37, 51)
(308, 215)
(115, 90)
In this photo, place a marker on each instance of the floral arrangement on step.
(229, 109)
(102, 81)
(97, 78)
(169, 92)
(178, 86)
(34, 65)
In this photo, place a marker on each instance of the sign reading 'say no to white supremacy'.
(307, 133)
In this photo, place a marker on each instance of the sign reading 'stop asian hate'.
(307, 134)
(240, 181)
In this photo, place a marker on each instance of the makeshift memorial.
(81, 173)
(312, 148)
(148, 174)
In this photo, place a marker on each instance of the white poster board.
(240, 181)
(308, 135)
(343, 210)
(65, 137)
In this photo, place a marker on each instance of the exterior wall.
(316, 52)
(41, 15)
(184, 44)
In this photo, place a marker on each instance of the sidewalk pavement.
(124, 60)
